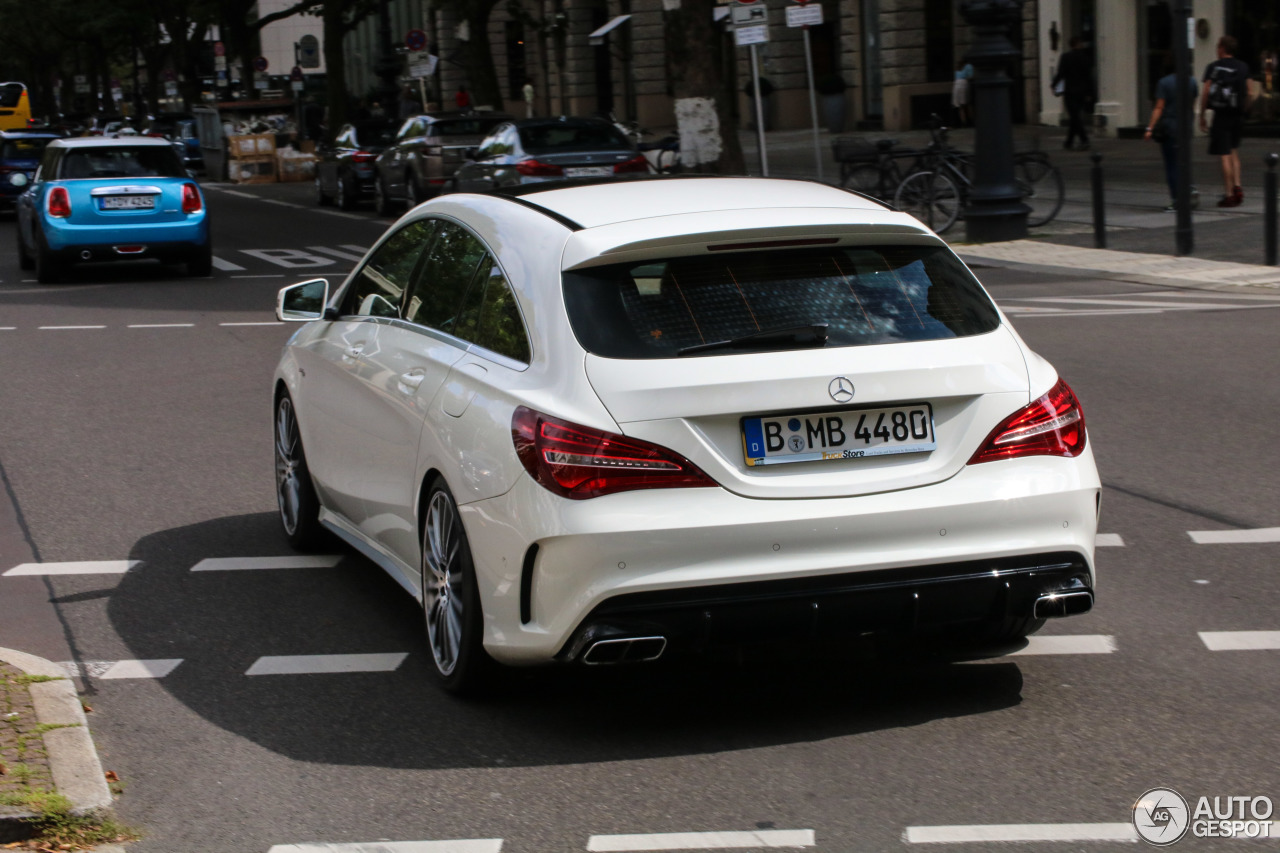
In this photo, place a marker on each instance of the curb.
(73, 759)
(975, 259)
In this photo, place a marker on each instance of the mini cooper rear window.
(111, 161)
(783, 299)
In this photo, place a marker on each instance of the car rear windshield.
(464, 126)
(152, 161)
(23, 149)
(375, 133)
(862, 295)
(555, 138)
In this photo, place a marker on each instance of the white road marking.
(1240, 641)
(8, 328)
(1235, 537)
(60, 328)
(1050, 313)
(120, 669)
(272, 275)
(263, 323)
(343, 215)
(1021, 832)
(83, 567)
(704, 840)
(1077, 644)
(224, 264)
(1135, 303)
(288, 258)
(305, 664)
(162, 326)
(281, 203)
(346, 256)
(461, 845)
(1108, 540)
(235, 564)
(237, 192)
(360, 250)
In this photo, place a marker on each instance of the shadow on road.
(219, 623)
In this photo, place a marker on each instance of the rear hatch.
(143, 201)
(581, 149)
(854, 369)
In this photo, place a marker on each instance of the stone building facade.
(883, 63)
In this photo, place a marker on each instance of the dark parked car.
(20, 152)
(344, 170)
(427, 151)
(533, 150)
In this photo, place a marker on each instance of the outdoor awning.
(597, 38)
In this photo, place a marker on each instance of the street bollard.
(1269, 220)
(1099, 213)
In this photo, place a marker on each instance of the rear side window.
(120, 162)
(437, 294)
(23, 149)
(549, 138)
(863, 295)
(463, 127)
(377, 289)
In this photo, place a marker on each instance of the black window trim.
(430, 331)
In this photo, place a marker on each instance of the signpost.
(415, 40)
(260, 64)
(805, 15)
(750, 28)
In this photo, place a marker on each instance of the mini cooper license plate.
(129, 202)
(849, 434)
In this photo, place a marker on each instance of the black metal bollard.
(1099, 210)
(1269, 220)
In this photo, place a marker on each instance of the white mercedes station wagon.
(611, 422)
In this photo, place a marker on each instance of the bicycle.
(871, 167)
(937, 193)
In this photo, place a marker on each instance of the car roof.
(104, 142)
(595, 204)
(30, 134)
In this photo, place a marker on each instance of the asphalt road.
(144, 435)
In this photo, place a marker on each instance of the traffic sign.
(309, 51)
(748, 14)
(415, 40)
(755, 34)
(261, 64)
(296, 74)
(806, 15)
(219, 49)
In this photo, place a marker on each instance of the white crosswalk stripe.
(1079, 644)
(1021, 832)
(297, 561)
(1108, 540)
(470, 845)
(1240, 641)
(122, 669)
(325, 664)
(81, 567)
(1235, 537)
(753, 840)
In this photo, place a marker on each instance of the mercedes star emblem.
(840, 389)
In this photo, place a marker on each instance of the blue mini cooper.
(95, 199)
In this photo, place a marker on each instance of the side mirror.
(303, 302)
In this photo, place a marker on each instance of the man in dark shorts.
(1226, 90)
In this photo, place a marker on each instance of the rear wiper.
(811, 334)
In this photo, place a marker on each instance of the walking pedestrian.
(1163, 126)
(1226, 92)
(1075, 79)
(960, 91)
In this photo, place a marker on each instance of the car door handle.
(410, 381)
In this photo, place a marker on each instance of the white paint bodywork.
(370, 457)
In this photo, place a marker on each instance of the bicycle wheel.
(931, 197)
(1042, 189)
(867, 178)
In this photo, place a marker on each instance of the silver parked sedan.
(533, 150)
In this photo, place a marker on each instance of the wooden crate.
(291, 169)
(252, 170)
(251, 146)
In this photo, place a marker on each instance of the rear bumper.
(67, 241)
(661, 555)
(93, 253)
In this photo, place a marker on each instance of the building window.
(939, 41)
(517, 72)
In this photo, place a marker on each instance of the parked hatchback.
(344, 169)
(610, 423)
(20, 152)
(428, 149)
(535, 150)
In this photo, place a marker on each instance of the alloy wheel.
(288, 466)
(444, 593)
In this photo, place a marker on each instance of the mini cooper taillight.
(191, 202)
(580, 462)
(1051, 426)
(59, 203)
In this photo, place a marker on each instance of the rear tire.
(201, 264)
(321, 199)
(25, 261)
(346, 197)
(48, 268)
(295, 493)
(381, 204)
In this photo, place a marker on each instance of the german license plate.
(129, 202)
(828, 436)
(587, 171)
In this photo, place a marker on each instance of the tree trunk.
(335, 67)
(695, 50)
(478, 58)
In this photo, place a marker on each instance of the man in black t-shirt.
(1226, 91)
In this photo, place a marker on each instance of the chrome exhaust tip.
(86, 255)
(1057, 604)
(624, 650)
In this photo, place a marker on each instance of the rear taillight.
(59, 203)
(1051, 426)
(537, 168)
(637, 163)
(580, 462)
(191, 202)
(363, 157)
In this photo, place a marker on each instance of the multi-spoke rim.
(443, 592)
(288, 463)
